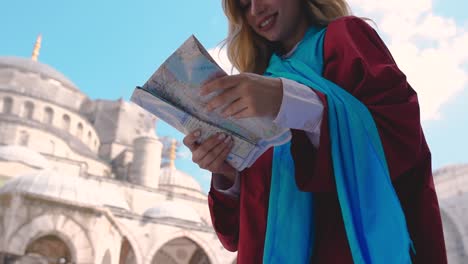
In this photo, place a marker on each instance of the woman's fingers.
(190, 141)
(218, 84)
(218, 164)
(205, 147)
(234, 108)
(211, 153)
(244, 113)
(225, 97)
(215, 152)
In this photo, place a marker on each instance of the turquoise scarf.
(374, 221)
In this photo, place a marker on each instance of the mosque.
(84, 181)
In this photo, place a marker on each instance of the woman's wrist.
(277, 98)
(231, 176)
(224, 181)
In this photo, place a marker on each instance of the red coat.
(356, 59)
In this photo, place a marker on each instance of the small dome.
(24, 155)
(28, 65)
(452, 170)
(173, 209)
(49, 183)
(174, 177)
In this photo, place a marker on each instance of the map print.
(175, 88)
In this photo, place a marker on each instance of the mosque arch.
(199, 257)
(107, 258)
(127, 253)
(61, 226)
(453, 239)
(49, 249)
(163, 257)
(181, 250)
(130, 238)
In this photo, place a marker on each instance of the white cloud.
(410, 8)
(429, 49)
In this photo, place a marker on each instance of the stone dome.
(23, 155)
(171, 176)
(45, 71)
(31, 78)
(50, 184)
(173, 209)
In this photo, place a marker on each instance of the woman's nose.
(257, 7)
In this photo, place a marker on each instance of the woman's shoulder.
(349, 39)
(350, 23)
(352, 29)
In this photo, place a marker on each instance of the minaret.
(37, 47)
(172, 154)
(146, 163)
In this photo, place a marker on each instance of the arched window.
(28, 110)
(51, 147)
(66, 122)
(48, 115)
(90, 140)
(7, 105)
(23, 138)
(79, 130)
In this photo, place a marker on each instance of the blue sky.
(108, 47)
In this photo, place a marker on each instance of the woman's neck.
(295, 38)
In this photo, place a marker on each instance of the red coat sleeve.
(224, 212)
(357, 60)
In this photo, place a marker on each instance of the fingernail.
(197, 133)
(227, 140)
(221, 136)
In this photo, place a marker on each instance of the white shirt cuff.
(233, 191)
(301, 108)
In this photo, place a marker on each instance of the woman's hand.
(245, 95)
(212, 153)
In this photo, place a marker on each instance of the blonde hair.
(248, 52)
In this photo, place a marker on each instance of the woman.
(354, 185)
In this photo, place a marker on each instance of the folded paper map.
(172, 94)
